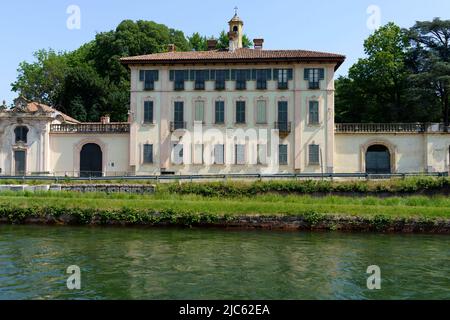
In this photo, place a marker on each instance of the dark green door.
(179, 115)
(19, 161)
(282, 115)
(91, 161)
(378, 160)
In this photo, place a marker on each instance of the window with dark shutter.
(148, 77)
(283, 154)
(148, 153)
(220, 77)
(179, 77)
(314, 154)
(261, 76)
(283, 76)
(240, 111)
(148, 112)
(242, 75)
(314, 112)
(220, 112)
(313, 76)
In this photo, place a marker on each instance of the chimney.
(171, 48)
(105, 119)
(212, 44)
(258, 43)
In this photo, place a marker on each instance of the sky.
(322, 25)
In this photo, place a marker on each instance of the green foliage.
(198, 42)
(224, 41)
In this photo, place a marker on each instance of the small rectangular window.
(148, 112)
(261, 112)
(180, 78)
(219, 154)
(314, 154)
(283, 76)
(148, 153)
(283, 154)
(219, 112)
(221, 76)
(314, 112)
(313, 76)
(148, 77)
(240, 111)
(241, 79)
(199, 111)
(261, 79)
(240, 154)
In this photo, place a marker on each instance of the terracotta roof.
(239, 55)
(35, 107)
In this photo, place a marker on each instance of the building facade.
(238, 110)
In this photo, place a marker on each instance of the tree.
(430, 42)
(197, 42)
(78, 110)
(41, 80)
(378, 87)
(224, 41)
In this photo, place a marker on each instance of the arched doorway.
(378, 159)
(91, 160)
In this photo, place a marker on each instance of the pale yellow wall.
(64, 152)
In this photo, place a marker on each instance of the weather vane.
(235, 10)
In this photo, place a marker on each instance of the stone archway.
(78, 150)
(382, 157)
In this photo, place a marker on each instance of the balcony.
(175, 125)
(284, 128)
(384, 128)
(90, 128)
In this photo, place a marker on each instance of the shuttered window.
(240, 111)
(261, 112)
(148, 77)
(314, 154)
(219, 154)
(283, 76)
(219, 113)
(240, 154)
(313, 76)
(199, 111)
(148, 153)
(148, 112)
(283, 154)
(314, 112)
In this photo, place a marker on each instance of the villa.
(240, 110)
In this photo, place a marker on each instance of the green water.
(215, 264)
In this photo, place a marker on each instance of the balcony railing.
(90, 128)
(380, 127)
(283, 127)
(175, 125)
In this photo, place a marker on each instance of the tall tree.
(198, 42)
(431, 60)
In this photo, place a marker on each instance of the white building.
(220, 111)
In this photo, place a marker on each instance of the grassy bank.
(265, 210)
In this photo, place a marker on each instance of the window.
(283, 76)
(148, 153)
(314, 154)
(198, 153)
(261, 154)
(177, 154)
(261, 112)
(283, 154)
(199, 76)
(313, 76)
(239, 154)
(241, 76)
(261, 76)
(240, 111)
(199, 111)
(220, 76)
(148, 112)
(283, 124)
(179, 77)
(178, 117)
(219, 154)
(219, 112)
(21, 134)
(314, 112)
(148, 77)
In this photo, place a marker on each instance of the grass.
(266, 204)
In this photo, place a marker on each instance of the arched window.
(21, 133)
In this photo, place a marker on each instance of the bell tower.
(236, 31)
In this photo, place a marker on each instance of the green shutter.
(275, 74)
(212, 74)
(141, 75)
(321, 73)
(248, 74)
(206, 75)
(193, 75)
(172, 75)
(186, 74)
(269, 74)
(227, 74)
(306, 74)
(233, 74)
(155, 75)
(290, 74)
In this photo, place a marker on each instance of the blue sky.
(324, 25)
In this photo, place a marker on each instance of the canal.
(134, 263)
